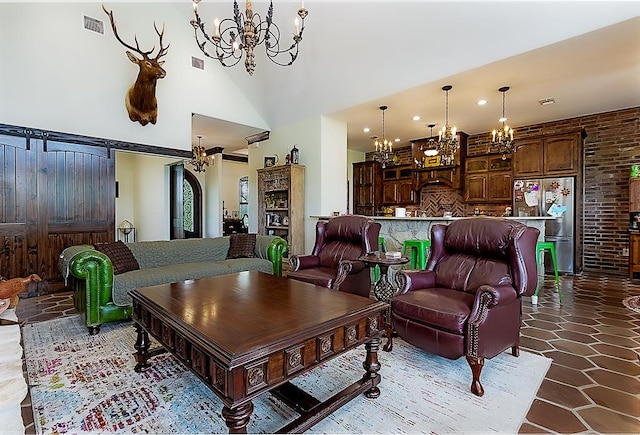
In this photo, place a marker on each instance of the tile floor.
(593, 385)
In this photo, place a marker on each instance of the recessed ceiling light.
(397, 139)
(416, 118)
(546, 101)
(482, 102)
(366, 129)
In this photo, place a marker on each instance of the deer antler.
(137, 48)
(164, 50)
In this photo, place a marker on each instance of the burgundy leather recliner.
(468, 299)
(334, 263)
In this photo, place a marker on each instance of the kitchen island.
(396, 230)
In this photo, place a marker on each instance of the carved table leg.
(238, 418)
(142, 347)
(372, 366)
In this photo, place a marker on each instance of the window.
(244, 199)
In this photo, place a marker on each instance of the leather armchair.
(334, 263)
(468, 299)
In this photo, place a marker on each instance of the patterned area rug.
(83, 383)
(632, 302)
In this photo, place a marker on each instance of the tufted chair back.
(334, 263)
(473, 252)
(347, 237)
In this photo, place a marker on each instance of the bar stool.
(382, 247)
(418, 250)
(541, 248)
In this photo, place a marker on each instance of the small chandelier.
(200, 159)
(384, 147)
(448, 142)
(233, 37)
(430, 148)
(502, 138)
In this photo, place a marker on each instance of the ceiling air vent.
(547, 101)
(197, 63)
(93, 25)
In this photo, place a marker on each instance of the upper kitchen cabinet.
(397, 185)
(487, 179)
(549, 155)
(367, 188)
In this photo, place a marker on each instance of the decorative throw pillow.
(120, 255)
(241, 245)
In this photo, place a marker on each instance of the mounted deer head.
(141, 97)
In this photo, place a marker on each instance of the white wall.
(57, 76)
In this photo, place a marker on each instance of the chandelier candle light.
(233, 37)
(502, 138)
(200, 159)
(383, 147)
(448, 142)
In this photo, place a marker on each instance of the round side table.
(383, 290)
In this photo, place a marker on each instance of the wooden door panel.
(79, 207)
(53, 195)
(18, 211)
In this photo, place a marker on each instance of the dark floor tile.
(616, 365)
(569, 360)
(568, 375)
(606, 421)
(534, 344)
(618, 341)
(583, 329)
(538, 333)
(616, 381)
(619, 401)
(554, 418)
(561, 394)
(576, 336)
(616, 351)
(572, 347)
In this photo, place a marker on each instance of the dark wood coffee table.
(249, 333)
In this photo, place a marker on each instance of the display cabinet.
(397, 185)
(281, 204)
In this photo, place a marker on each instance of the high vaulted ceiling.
(359, 55)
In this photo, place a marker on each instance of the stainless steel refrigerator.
(553, 197)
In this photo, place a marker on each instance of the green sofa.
(100, 296)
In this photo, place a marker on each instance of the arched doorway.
(186, 204)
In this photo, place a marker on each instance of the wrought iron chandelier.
(238, 36)
(383, 148)
(448, 142)
(502, 138)
(200, 159)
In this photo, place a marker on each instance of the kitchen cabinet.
(548, 156)
(634, 253)
(367, 188)
(281, 204)
(397, 185)
(488, 179)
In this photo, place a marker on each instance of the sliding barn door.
(54, 195)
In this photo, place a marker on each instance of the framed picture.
(269, 161)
